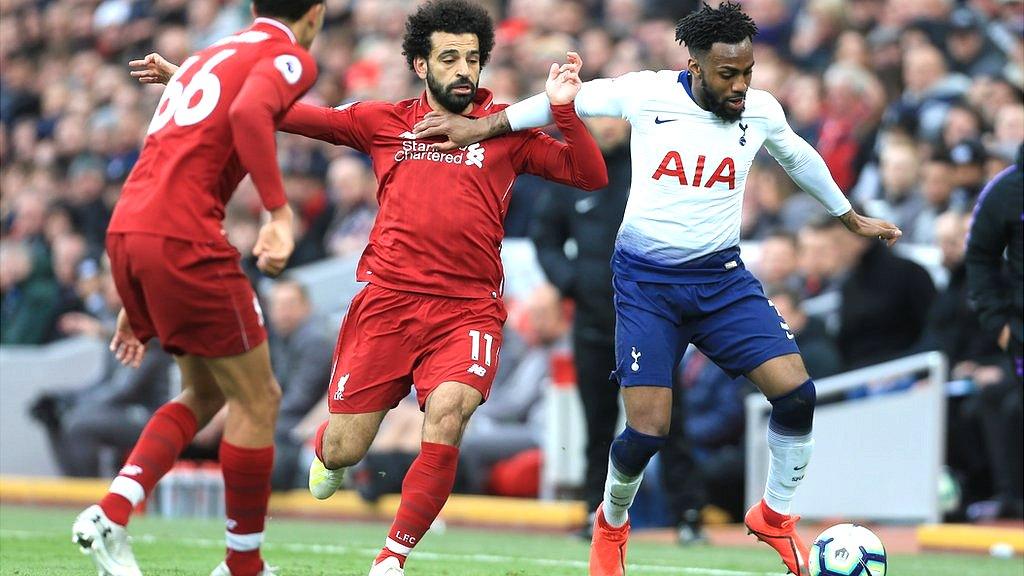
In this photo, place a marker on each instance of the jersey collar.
(276, 24)
(686, 81)
(482, 103)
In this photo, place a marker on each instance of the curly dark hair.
(707, 25)
(452, 16)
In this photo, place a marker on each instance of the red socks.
(426, 488)
(318, 441)
(772, 517)
(170, 429)
(246, 492)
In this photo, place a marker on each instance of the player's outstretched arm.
(578, 162)
(595, 98)
(871, 227)
(153, 69)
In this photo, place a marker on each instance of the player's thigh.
(649, 334)
(198, 298)
(461, 344)
(780, 375)
(375, 352)
(740, 330)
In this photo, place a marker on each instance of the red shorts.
(391, 340)
(193, 297)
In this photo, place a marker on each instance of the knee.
(445, 425)
(652, 423)
(262, 405)
(633, 449)
(341, 452)
(793, 412)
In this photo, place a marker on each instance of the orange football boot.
(608, 547)
(784, 539)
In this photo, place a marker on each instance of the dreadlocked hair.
(705, 26)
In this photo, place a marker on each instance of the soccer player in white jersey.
(678, 276)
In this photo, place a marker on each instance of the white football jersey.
(689, 166)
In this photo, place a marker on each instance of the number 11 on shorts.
(474, 336)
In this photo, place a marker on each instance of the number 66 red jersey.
(203, 139)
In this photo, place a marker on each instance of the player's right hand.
(126, 347)
(563, 81)
(459, 130)
(274, 246)
(154, 69)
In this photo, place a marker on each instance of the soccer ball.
(847, 550)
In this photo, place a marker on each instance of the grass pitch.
(37, 541)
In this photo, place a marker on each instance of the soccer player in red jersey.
(431, 315)
(181, 282)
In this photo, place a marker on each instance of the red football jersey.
(215, 122)
(441, 219)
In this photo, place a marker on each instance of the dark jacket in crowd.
(995, 283)
(302, 365)
(592, 219)
(821, 358)
(953, 327)
(885, 304)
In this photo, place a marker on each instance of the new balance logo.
(340, 393)
(130, 470)
(478, 370)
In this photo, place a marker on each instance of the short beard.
(451, 102)
(717, 106)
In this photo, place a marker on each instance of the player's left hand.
(274, 246)
(871, 227)
(153, 69)
(563, 81)
(126, 347)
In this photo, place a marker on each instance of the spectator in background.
(929, 88)
(714, 422)
(512, 419)
(587, 223)
(969, 49)
(995, 244)
(937, 192)
(777, 263)
(818, 349)
(29, 296)
(353, 193)
(854, 102)
(301, 356)
(884, 304)
(898, 198)
(110, 413)
(819, 258)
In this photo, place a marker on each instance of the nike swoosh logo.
(660, 121)
(800, 467)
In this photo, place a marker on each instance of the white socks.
(789, 458)
(619, 491)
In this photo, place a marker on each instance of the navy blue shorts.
(720, 308)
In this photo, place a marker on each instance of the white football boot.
(387, 567)
(222, 570)
(106, 542)
(323, 483)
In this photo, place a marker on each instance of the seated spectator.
(108, 414)
(777, 261)
(714, 423)
(821, 358)
(301, 358)
(353, 192)
(511, 421)
(29, 296)
(884, 304)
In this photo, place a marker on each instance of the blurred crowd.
(914, 104)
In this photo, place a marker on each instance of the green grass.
(37, 541)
